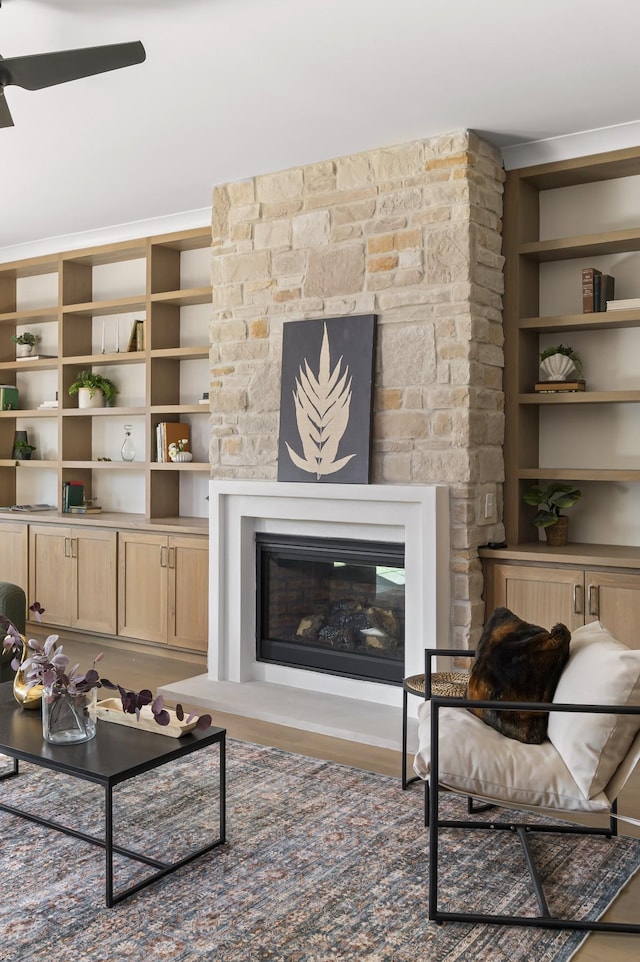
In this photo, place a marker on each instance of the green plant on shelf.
(26, 338)
(22, 449)
(551, 501)
(95, 382)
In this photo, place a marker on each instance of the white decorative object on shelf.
(182, 456)
(557, 367)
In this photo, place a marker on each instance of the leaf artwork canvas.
(326, 400)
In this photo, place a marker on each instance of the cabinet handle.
(578, 600)
(172, 557)
(67, 547)
(163, 558)
(74, 547)
(594, 600)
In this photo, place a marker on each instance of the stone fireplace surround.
(415, 515)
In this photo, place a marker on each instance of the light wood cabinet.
(13, 556)
(163, 589)
(72, 574)
(546, 594)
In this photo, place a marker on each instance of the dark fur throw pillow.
(516, 661)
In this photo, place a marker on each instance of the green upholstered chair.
(13, 605)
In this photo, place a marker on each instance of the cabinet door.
(188, 592)
(13, 557)
(614, 599)
(51, 575)
(142, 586)
(94, 556)
(543, 596)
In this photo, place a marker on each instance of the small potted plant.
(559, 361)
(93, 390)
(25, 343)
(550, 502)
(22, 450)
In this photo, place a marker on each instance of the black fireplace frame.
(374, 668)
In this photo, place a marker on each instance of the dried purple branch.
(49, 666)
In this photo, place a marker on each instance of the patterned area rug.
(323, 862)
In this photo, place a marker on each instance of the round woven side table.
(446, 684)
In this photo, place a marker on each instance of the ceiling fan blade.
(6, 120)
(47, 69)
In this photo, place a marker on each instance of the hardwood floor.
(140, 670)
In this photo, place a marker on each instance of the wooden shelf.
(119, 305)
(153, 269)
(198, 295)
(42, 316)
(591, 245)
(525, 251)
(580, 474)
(581, 397)
(113, 357)
(598, 321)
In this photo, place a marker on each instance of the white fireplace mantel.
(414, 515)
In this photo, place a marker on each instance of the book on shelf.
(46, 405)
(170, 432)
(624, 304)
(84, 509)
(72, 495)
(603, 290)
(553, 387)
(588, 286)
(32, 507)
(597, 289)
(37, 357)
(136, 337)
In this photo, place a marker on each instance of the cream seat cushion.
(600, 671)
(477, 760)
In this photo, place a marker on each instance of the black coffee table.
(115, 755)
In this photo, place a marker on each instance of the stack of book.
(597, 290)
(72, 495)
(48, 405)
(624, 304)
(171, 432)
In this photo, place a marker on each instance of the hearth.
(331, 605)
(357, 709)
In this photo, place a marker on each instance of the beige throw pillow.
(600, 671)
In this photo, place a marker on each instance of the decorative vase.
(24, 350)
(66, 718)
(90, 397)
(18, 436)
(182, 457)
(558, 367)
(128, 450)
(26, 697)
(558, 533)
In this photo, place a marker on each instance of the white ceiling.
(233, 88)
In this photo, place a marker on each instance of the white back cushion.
(477, 760)
(600, 671)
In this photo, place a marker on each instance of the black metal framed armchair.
(592, 749)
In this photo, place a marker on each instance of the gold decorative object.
(26, 697)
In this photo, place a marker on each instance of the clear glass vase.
(128, 450)
(66, 718)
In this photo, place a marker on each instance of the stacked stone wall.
(412, 234)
